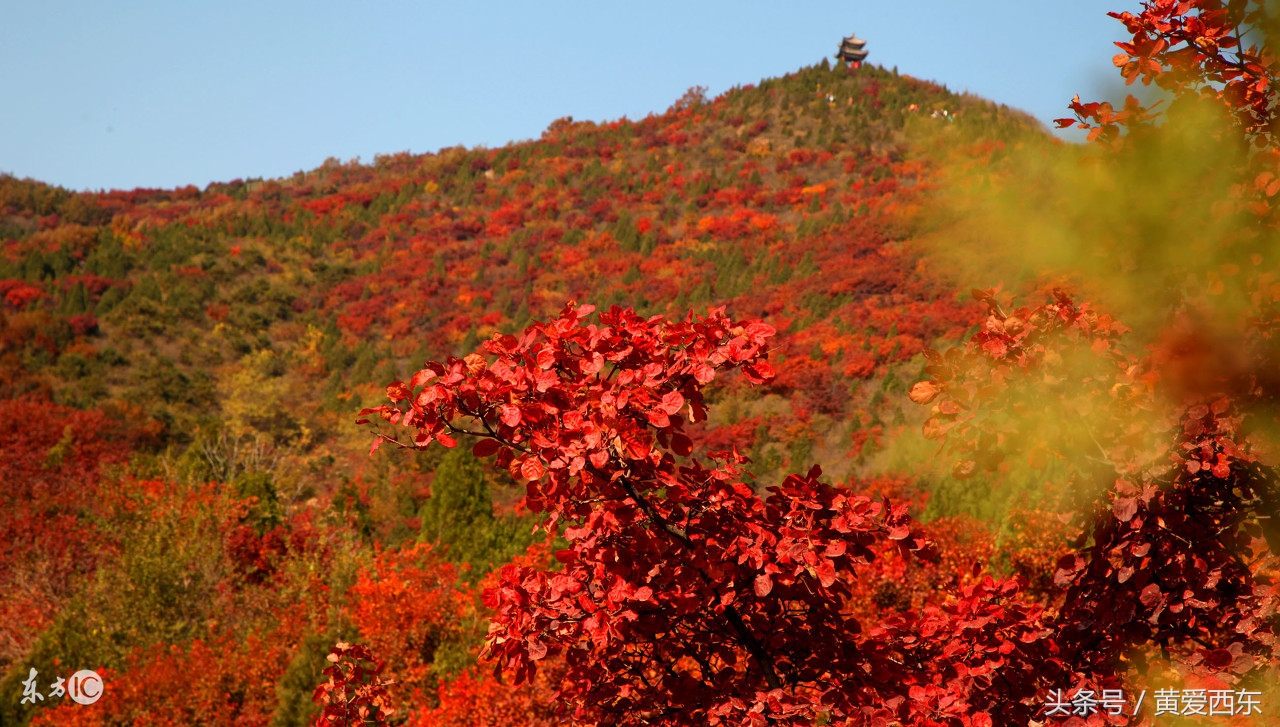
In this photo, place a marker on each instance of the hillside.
(180, 369)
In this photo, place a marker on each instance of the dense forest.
(657, 327)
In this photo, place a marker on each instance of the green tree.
(459, 515)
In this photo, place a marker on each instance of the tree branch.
(753, 645)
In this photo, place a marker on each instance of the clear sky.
(123, 94)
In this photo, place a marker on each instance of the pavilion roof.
(851, 49)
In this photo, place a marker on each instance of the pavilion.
(852, 51)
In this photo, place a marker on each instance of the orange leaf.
(924, 392)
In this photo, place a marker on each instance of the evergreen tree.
(459, 516)
(76, 301)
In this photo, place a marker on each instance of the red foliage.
(476, 699)
(741, 434)
(50, 470)
(336, 202)
(726, 608)
(811, 384)
(84, 324)
(222, 683)
(406, 605)
(19, 294)
(682, 597)
(1193, 48)
(356, 693)
(254, 555)
(1177, 542)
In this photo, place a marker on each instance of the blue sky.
(116, 95)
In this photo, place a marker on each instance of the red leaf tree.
(1195, 48)
(355, 693)
(683, 597)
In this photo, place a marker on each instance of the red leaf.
(672, 402)
(759, 372)
(422, 377)
(681, 445)
(826, 572)
(486, 447)
(446, 440)
(591, 365)
(763, 585)
(1150, 595)
(1124, 509)
(546, 359)
(544, 380)
(1218, 659)
(531, 468)
(658, 418)
(510, 415)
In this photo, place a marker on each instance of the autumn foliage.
(408, 604)
(1179, 557)
(178, 368)
(187, 502)
(683, 597)
(355, 693)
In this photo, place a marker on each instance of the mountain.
(180, 369)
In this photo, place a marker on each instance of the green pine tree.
(459, 516)
(76, 301)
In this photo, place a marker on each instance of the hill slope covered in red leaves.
(186, 491)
